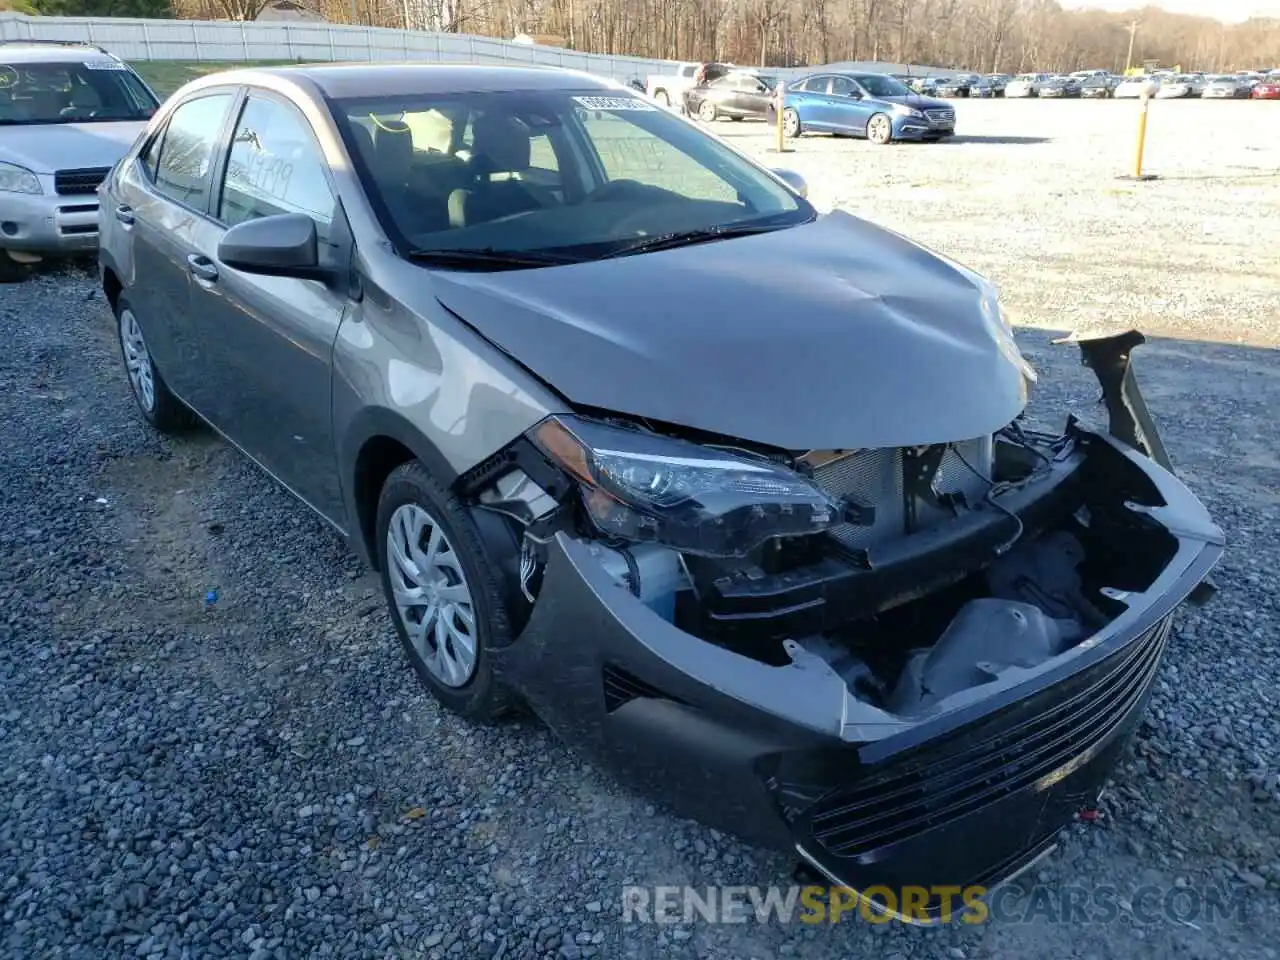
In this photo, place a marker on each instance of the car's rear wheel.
(662, 98)
(442, 592)
(791, 123)
(155, 400)
(707, 111)
(879, 129)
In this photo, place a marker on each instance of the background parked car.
(1224, 87)
(984, 87)
(1060, 88)
(1025, 85)
(957, 86)
(669, 89)
(999, 81)
(1267, 90)
(1130, 88)
(873, 105)
(69, 111)
(1175, 88)
(1099, 88)
(736, 95)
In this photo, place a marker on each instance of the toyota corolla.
(777, 545)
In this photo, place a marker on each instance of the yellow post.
(780, 100)
(1142, 134)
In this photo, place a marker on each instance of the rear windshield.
(98, 91)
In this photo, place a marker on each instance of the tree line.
(987, 36)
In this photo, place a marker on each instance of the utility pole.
(1133, 32)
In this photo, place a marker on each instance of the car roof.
(20, 52)
(343, 80)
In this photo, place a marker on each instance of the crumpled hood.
(830, 335)
(48, 147)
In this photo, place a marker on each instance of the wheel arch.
(376, 442)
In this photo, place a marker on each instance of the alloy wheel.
(431, 595)
(790, 123)
(879, 129)
(707, 111)
(137, 360)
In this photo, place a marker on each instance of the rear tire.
(662, 98)
(455, 580)
(156, 402)
(791, 126)
(880, 129)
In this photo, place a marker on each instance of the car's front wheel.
(662, 98)
(879, 129)
(707, 111)
(155, 400)
(442, 592)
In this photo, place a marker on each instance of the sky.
(1231, 11)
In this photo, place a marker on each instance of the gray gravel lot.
(264, 778)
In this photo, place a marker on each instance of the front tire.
(880, 129)
(442, 592)
(791, 126)
(707, 112)
(156, 402)
(662, 98)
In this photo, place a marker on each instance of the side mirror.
(793, 180)
(283, 245)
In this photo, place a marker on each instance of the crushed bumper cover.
(786, 756)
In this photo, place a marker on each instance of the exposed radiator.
(875, 477)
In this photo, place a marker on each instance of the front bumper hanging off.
(788, 757)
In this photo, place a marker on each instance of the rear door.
(161, 200)
(268, 341)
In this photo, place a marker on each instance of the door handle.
(202, 268)
(124, 214)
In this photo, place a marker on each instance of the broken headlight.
(641, 487)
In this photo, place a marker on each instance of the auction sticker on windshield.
(614, 103)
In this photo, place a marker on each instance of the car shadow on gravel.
(1002, 140)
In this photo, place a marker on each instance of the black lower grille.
(84, 180)
(999, 755)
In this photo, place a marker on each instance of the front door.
(268, 341)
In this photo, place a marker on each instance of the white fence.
(137, 39)
(214, 40)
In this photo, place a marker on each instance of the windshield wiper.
(490, 257)
(686, 238)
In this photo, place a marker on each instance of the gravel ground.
(263, 777)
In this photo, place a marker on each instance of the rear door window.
(184, 169)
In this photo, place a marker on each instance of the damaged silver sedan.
(740, 499)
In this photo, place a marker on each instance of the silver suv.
(68, 113)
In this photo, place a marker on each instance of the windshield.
(575, 175)
(96, 91)
(879, 85)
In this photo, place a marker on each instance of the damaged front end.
(912, 665)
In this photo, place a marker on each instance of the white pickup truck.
(668, 89)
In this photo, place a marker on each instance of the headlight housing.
(641, 487)
(16, 179)
(907, 111)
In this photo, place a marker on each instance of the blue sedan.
(870, 105)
